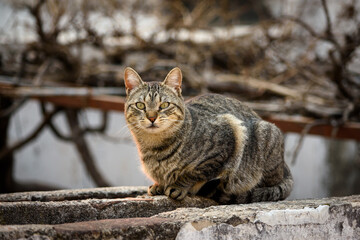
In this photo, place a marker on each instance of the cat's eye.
(140, 105)
(164, 105)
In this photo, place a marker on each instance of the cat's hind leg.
(276, 182)
(276, 192)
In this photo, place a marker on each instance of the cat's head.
(154, 107)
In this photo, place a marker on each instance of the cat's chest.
(158, 170)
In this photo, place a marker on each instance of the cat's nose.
(152, 118)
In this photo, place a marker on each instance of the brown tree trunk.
(83, 149)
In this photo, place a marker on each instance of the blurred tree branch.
(83, 149)
(272, 64)
(9, 150)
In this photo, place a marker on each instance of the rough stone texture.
(77, 194)
(193, 218)
(126, 228)
(331, 218)
(56, 212)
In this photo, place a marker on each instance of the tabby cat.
(211, 145)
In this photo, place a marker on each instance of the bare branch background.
(277, 64)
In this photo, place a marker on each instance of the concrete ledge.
(331, 218)
(161, 218)
(77, 194)
(35, 207)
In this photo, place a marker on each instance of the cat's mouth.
(152, 126)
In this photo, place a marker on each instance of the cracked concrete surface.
(126, 213)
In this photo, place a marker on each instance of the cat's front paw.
(175, 192)
(155, 189)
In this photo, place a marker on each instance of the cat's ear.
(174, 79)
(132, 79)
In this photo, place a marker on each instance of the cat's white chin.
(153, 129)
(156, 128)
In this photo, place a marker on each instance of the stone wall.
(126, 212)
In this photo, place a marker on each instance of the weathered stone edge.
(36, 212)
(221, 212)
(332, 218)
(127, 228)
(75, 194)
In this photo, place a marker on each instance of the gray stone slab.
(56, 212)
(330, 218)
(194, 218)
(126, 228)
(77, 194)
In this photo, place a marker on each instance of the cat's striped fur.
(212, 145)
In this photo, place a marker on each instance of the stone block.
(125, 213)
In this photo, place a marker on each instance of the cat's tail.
(273, 193)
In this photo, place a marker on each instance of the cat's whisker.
(125, 128)
(132, 126)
